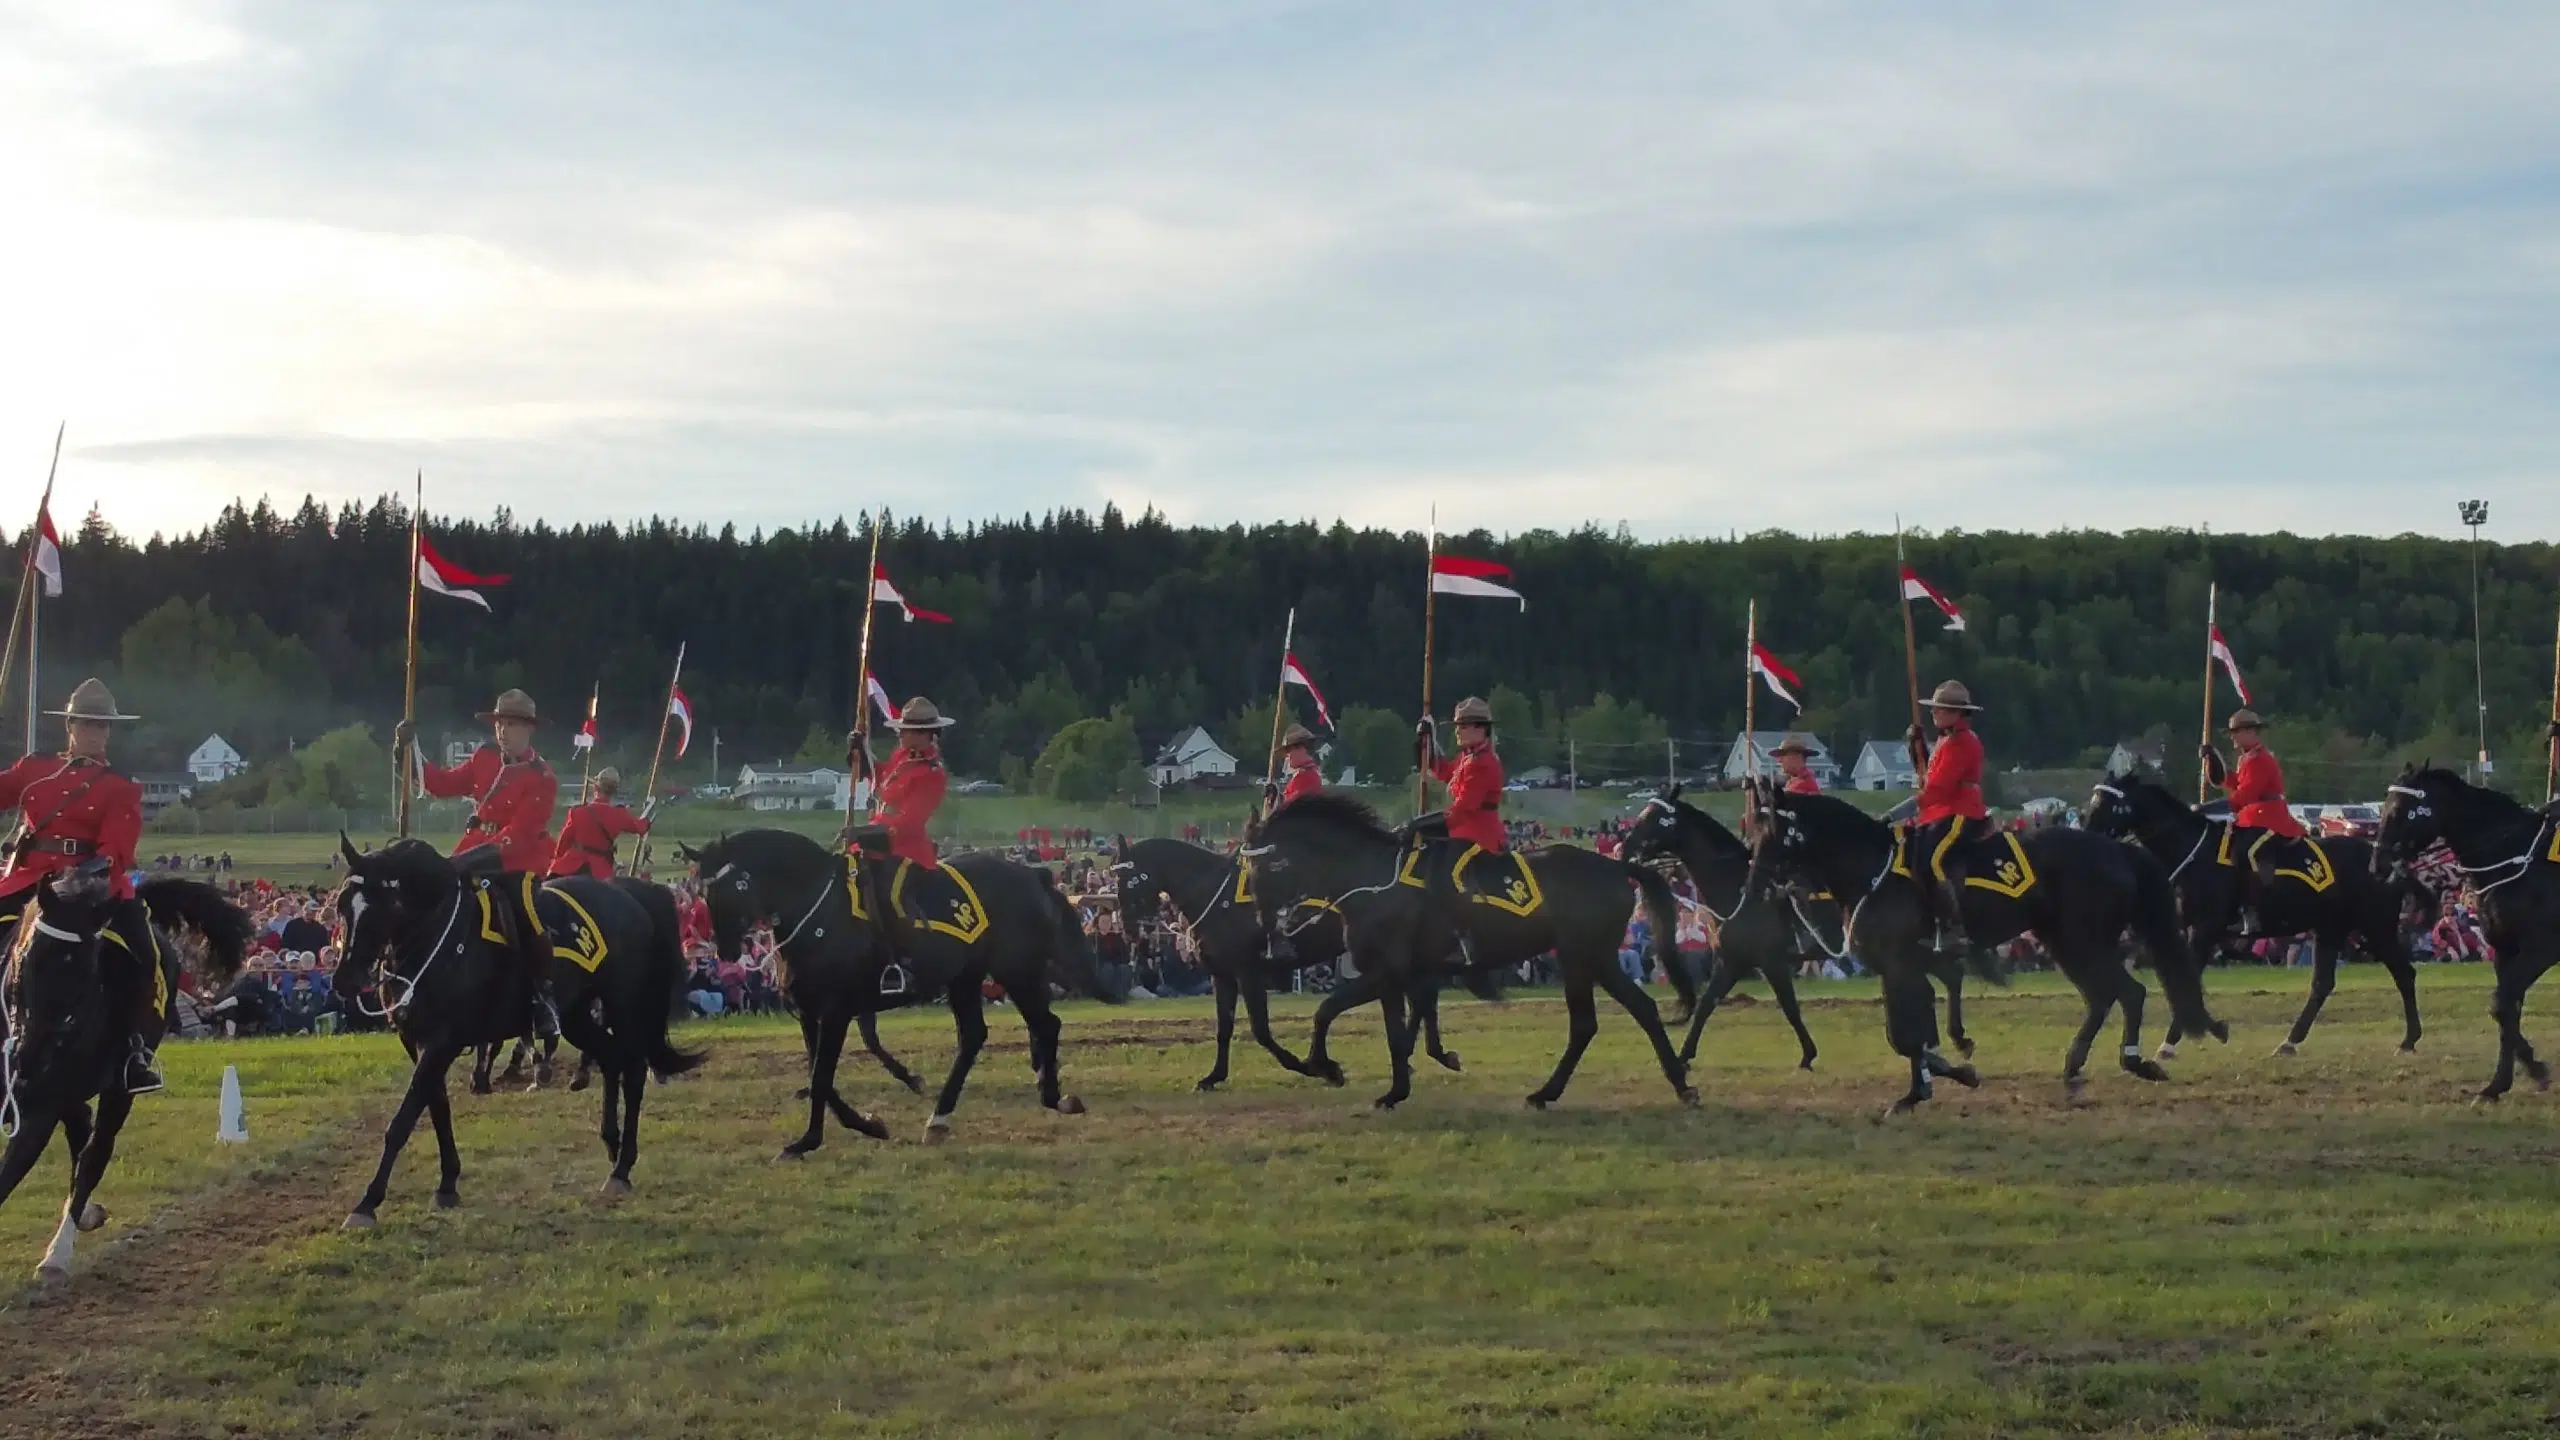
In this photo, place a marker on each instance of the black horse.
(2510, 858)
(1213, 896)
(2077, 892)
(1751, 931)
(459, 961)
(835, 961)
(2335, 893)
(1334, 850)
(69, 1035)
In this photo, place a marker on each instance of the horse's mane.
(757, 847)
(1717, 832)
(1333, 811)
(412, 860)
(2420, 776)
(1831, 809)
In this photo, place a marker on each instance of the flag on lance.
(880, 701)
(1293, 673)
(680, 710)
(585, 739)
(886, 593)
(1458, 575)
(1781, 680)
(48, 556)
(446, 578)
(2221, 651)
(1915, 588)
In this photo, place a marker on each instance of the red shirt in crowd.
(1954, 782)
(910, 790)
(74, 809)
(587, 836)
(1474, 778)
(513, 804)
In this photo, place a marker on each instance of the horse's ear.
(1675, 791)
(688, 854)
(347, 848)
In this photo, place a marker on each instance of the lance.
(666, 717)
(1750, 705)
(2551, 775)
(1280, 700)
(405, 754)
(1430, 597)
(1910, 647)
(861, 756)
(587, 752)
(23, 611)
(2204, 740)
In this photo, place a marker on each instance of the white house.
(215, 761)
(1192, 753)
(1737, 760)
(780, 785)
(1883, 765)
(2131, 755)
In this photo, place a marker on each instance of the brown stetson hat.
(1794, 744)
(1297, 734)
(2245, 718)
(919, 714)
(1951, 695)
(512, 705)
(90, 700)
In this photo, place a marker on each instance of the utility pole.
(715, 754)
(2475, 513)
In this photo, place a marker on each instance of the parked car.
(2356, 822)
(978, 787)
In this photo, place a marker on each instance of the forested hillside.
(275, 626)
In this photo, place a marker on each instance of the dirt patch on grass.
(66, 1352)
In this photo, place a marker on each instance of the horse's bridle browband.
(384, 972)
(825, 889)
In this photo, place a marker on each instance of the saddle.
(2300, 859)
(564, 925)
(1994, 860)
(939, 901)
(1501, 882)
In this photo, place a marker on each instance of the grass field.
(2334, 1244)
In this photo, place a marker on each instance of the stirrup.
(142, 1069)
(893, 979)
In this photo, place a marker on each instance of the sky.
(1691, 269)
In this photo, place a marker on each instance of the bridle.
(2204, 833)
(773, 919)
(386, 971)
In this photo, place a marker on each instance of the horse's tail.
(173, 903)
(2155, 924)
(1074, 951)
(1662, 914)
(662, 974)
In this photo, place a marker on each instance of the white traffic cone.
(235, 1115)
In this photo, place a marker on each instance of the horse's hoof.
(1205, 1085)
(50, 1274)
(915, 1085)
(1384, 1102)
(790, 1152)
(800, 1094)
(92, 1218)
(2488, 1097)
(1070, 1104)
(2283, 1051)
(2167, 1051)
(615, 1187)
(1805, 1064)
(1536, 1102)
(479, 1087)
(359, 1220)
(1332, 1075)
(2408, 1047)
(582, 1080)
(1690, 1097)
(870, 1125)
(1449, 1060)
(1964, 1046)
(2146, 1070)
(2220, 1031)
(2073, 1084)
(2541, 1078)
(1903, 1106)
(448, 1200)
(1966, 1076)
(937, 1130)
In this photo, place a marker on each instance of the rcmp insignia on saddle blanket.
(574, 934)
(1503, 881)
(940, 900)
(1996, 862)
(2299, 859)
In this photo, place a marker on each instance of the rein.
(385, 971)
(2518, 864)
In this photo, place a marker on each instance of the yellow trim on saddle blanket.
(2316, 876)
(1405, 873)
(2553, 854)
(1244, 882)
(968, 919)
(586, 948)
(2011, 875)
(1520, 896)
(159, 972)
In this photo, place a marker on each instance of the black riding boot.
(1952, 939)
(137, 962)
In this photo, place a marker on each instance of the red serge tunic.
(910, 791)
(516, 801)
(587, 836)
(75, 808)
(1303, 780)
(1954, 782)
(1474, 778)
(2256, 787)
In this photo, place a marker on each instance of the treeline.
(276, 627)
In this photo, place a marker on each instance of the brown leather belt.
(57, 845)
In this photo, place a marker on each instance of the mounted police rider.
(1298, 757)
(1950, 805)
(72, 807)
(515, 789)
(588, 833)
(905, 793)
(2256, 788)
(1792, 753)
(1473, 775)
